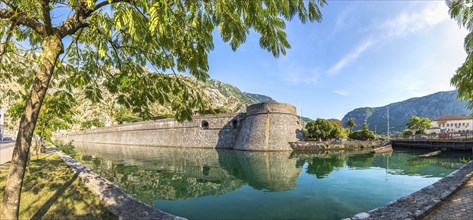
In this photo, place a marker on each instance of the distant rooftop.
(452, 117)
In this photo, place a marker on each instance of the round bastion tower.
(269, 126)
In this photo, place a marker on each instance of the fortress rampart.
(265, 127)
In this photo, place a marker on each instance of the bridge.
(456, 144)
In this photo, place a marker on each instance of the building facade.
(451, 124)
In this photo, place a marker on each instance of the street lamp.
(388, 120)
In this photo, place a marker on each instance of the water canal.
(227, 184)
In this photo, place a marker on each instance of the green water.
(225, 184)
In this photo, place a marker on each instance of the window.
(463, 124)
(205, 124)
(234, 124)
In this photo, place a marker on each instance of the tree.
(114, 40)
(338, 130)
(364, 134)
(406, 132)
(319, 129)
(462, 11)
(351, 123)
(418, 124)
(56, 114)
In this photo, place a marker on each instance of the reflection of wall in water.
(162, 173)
(273, 171)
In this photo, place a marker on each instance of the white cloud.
(349, 58)
(341, 92)
(407, 23)
(342, 18)
(400, 26)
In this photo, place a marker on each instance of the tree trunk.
(52, 48)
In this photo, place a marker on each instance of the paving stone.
(458, 206)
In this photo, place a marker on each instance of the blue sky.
(364, 53)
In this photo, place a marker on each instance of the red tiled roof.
(452, 117)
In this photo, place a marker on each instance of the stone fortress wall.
(265, 127)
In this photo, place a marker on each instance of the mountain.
(430, 106)
(228, 97)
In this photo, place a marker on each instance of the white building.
(451, 124)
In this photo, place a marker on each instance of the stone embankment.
(335, 145)
(422, 202)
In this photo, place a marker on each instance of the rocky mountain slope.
(228, 97)
(430, 106)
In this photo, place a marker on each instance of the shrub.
(407, 132)
(95, 122)
(363, 135)
(128, 118)
(68, 149)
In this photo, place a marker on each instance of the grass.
(53, 191)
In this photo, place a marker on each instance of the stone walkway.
(458, 206)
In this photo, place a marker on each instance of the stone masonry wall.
(220, 133)
(266, 127)
(269, 127)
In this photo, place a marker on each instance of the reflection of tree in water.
(322, 166)
(149, 185)
(407, 163)
(153, 174)
(360, 161)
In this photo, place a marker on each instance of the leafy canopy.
(324, 129)
(462, 12)
(109, 43)
(57, 113)
(364, 134)
(351, 123)
(418, 124)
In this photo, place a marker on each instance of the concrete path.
(458, 206)
(6, 151)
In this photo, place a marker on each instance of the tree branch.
(79, 19)
(47, 17)
(105, 3)
(20, 18)
(7, 40)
